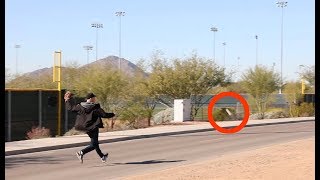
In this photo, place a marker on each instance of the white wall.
(182, 110)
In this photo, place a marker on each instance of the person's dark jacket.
(88, 115)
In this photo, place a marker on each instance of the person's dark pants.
(94, 143)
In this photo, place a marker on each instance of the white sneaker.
(80, 156)
(104, 158)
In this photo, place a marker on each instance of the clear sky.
(177, 28)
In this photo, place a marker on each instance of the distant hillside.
(110, 61)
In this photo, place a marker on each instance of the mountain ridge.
(110, 61)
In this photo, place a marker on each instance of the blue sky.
(177, 28)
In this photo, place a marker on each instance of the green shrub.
(134, 113)
(306, 109)
(273, 109)
(219, 115)
(276, 114)
(222, 115)
(294, 110)
(72, 132)
(38, 132)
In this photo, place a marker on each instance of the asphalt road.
(150, 154)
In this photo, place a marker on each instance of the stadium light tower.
(97, 26)
(256, 36)
(281, 4)
(214, 30)
(224, 54)
(88, 48)
(120, 13)
(17, 46)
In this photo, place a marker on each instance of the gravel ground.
(288, 161)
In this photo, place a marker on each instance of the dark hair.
(90, 95)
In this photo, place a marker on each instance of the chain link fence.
(27, 108)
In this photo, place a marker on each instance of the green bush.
(222, 115)
(133, 114)
(294, 110)
(72, 132)
(276, 114)
(306, 109)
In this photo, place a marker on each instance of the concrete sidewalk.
(37, 145)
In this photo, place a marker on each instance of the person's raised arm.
(70, 105)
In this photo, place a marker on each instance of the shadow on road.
(22, 161)
(149, 162)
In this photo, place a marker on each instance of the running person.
(89, 120)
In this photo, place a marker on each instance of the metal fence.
(279, 101)
(27, 108)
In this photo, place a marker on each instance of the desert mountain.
(110, 61)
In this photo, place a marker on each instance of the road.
(150, 154)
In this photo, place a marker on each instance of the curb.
(71, 145)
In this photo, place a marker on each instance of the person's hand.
(67, 95)
(110, 115)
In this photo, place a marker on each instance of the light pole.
(120, 13)
(224, 54)
(238, 71)
(88, 48)
(17, 46)
(256, 49)
(214, 29)
(281, 4)
(97, 26)
(273, 65)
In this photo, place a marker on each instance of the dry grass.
(38, 132)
